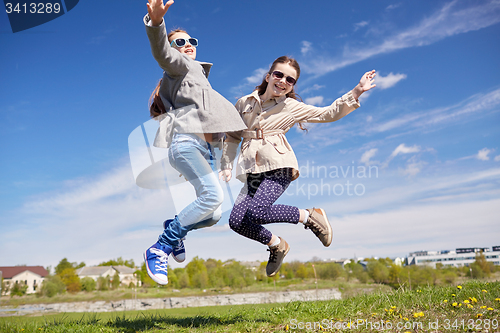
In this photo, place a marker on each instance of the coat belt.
(259, 133)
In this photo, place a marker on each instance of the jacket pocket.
(206, 99)
(279, 143)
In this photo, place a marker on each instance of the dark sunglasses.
(180, 42)
(279, 75)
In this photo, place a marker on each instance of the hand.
(225, 175)
(365, 84)
(157, 10)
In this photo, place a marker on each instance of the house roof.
(8, 272)
(124, 269)
(100, 270)
(93, 270)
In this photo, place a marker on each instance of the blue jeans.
(194, 159)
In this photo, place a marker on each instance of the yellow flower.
(405, 319)
(393, 307)
(484, 291)
(445, 301)
(459, 287)
(466, 301)
(473, 299)
(470, 306)
(287, 328)
(497, 299)
(479, 315)
(483, 307)
(453, 295)
(418, 314)
(489, 309)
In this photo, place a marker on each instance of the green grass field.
(471, 307)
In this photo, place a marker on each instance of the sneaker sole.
(151, 275)
(177, 259)
(286, 252)
(330, 232)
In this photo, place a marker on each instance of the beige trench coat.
(264, 146)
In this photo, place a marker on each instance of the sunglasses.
(180, 42)
(279, 75)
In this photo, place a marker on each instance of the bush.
(88, 284)
(18, 289)
(52, 285)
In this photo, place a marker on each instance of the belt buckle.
(259, 133)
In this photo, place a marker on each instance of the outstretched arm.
(157, 10)
(365, 84)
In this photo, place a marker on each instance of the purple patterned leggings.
(255, 205)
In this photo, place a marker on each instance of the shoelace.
(180, 246)
(161, 261)
(273, 255)
(313, 226)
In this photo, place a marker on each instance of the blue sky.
(74, 89)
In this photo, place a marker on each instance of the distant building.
(31, 276)
(458, 258)
(125, 273)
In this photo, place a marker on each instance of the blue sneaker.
(178, 252)
(156, 258)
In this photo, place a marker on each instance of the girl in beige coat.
(267, 163)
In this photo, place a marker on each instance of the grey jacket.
(191, 103)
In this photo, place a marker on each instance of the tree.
(64, 264)
(52, 285)
(71, 280)
(18, 289)
(88, 284)
(115, 282)
(118, 262)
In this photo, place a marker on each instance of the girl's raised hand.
(157, 10)
(365, 84)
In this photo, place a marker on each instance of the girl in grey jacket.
(191, 115)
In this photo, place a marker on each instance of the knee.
(257, 214)
(213, 197)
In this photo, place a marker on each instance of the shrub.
(52, 285)
(88, 284)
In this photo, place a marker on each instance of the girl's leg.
(255, 205)
(194, 158)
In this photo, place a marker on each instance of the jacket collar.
(206, 66)
(255, 94)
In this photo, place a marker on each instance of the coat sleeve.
(169, 59)
(231, 144)
(312, 114)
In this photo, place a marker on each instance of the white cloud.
(403, 149)
(316, 100)
(393, 6)
(450, 20)
(385, 82)
(478, 103)
(367, 155)
(312, 88)
(257, 76)
(306, 47)
(360, 25)
(483, 154)
(497, 158)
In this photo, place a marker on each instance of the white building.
(458, 258)
(31, 276)
(125, 273)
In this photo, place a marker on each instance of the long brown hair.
(261, 89)
(156, 106)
